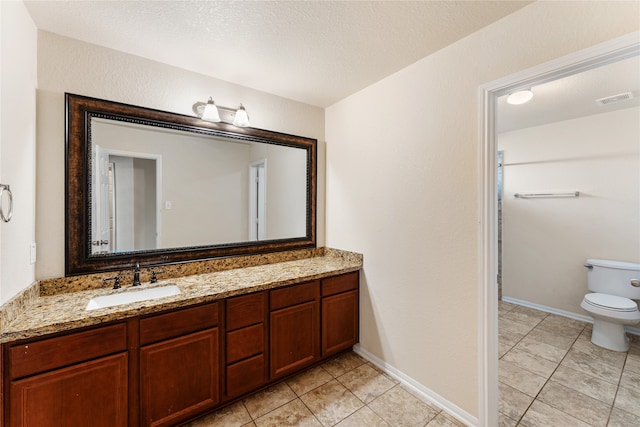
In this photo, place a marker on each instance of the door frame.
(601, 54)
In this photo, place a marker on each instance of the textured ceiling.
(316, 52)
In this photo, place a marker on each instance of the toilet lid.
(611, 302)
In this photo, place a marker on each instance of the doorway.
(603, 54)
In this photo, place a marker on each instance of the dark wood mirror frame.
(78, 258)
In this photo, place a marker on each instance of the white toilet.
(615, 284)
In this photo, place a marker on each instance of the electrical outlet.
(32, 250)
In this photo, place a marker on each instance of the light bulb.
(242, 118)
(210, 112)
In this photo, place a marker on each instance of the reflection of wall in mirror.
(206, 180)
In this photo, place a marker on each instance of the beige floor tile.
(585, 383)
(515, 327)
(542, 415)
(363, 417)
(366, 382)
(530, 362)
(504, 307)
(234, 415)
(633, 363)
(445, 420)
(560, 329)
(331, 403)
(307, 381)
(250, 424)
(553, 321)
(620, 418)
(580, 406)
(540, 349)
(551, 338)
(503, 349)
(269, 399)
(512, 403)
(519, 378)
(630, 380)
(628, 400)
(613, 358)
(508, 337)
(504, 421)
(398, 407)
(343, 363)
(592, 365)
(292, 414)
(526, 318)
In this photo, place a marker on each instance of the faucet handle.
(154, 275)
(116, 281)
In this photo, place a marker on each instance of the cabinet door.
(339, 322)
(87, 394)
(295, 338)
(179, 378)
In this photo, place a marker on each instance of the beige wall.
(67, 65)
(402, 187)
(546, 241)
(18, 36)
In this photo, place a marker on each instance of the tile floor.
(551, 375)
(347, 391)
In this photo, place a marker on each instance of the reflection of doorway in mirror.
(126, 201)
(258, 200)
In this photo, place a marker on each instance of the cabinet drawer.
(245, 310)
(43, 355)
(178, 323)
(245, 376)
(338, 284)
(293, 295)
(245, 342)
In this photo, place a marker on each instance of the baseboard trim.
(569, 314)
(422, 391)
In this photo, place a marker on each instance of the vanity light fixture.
(211, 112)
(520, 97)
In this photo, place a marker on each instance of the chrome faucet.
(136, 275)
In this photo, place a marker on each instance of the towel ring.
(6, 218)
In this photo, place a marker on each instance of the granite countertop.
(66, 311)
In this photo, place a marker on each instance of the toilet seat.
(610, 302)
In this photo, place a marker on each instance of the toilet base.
(609, 335)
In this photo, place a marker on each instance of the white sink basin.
(136, 295)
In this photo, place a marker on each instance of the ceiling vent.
(614, 98)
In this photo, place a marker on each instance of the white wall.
(402, 187)
(546, 241)
(17, 144)
(67, 65)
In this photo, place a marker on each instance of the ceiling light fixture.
(520, 97)
(211, 112)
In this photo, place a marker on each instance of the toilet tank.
(613, 277)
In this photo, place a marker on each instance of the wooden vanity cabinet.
(294, 328)
(179, 365)
(245, 344)
(339, 313)
(168, 368)
(71, 380)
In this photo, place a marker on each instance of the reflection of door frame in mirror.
(258, 200)
(158, 187)
(593, 57)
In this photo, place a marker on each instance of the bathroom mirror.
(153, 187)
